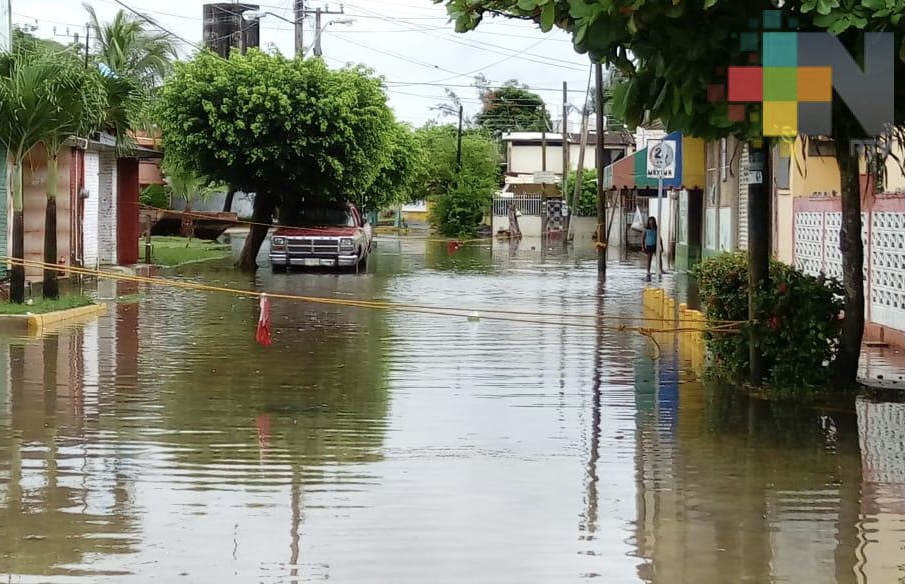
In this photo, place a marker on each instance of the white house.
(525, 152)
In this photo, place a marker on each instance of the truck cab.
(323, 236)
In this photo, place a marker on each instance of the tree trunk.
(759, 256)
(51, 286)
(230, 194)
(264, 205)
(852, 248)
(17, 272)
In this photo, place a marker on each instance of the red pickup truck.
(324, 236)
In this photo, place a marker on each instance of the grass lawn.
(172, 251)
(42, 306)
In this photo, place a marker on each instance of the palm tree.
(130, 50)
(31, 85)
(190, 187)
(128, 109)
(81, 106)
(133, 62)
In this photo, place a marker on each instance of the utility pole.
(242, 49)
(579, 173)
(317, 28)
(601, 162)
(565, 151)
(459, 147)
(543, 164)
(299, 28)
(759, 197)
(459, 141)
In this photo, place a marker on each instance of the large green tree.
(461, 192)
(672, 67)
(512, 108)
(480, 158)
(291, 131)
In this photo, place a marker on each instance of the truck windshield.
(322, 216)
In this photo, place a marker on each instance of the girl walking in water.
(650, 242)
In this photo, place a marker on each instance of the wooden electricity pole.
(579, 173)
(565, 152)
(601, 162)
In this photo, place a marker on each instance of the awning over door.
(631, 172)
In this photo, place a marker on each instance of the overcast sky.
(409, 42)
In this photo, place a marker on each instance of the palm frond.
(131, 50)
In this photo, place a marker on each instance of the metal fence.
(527, 205)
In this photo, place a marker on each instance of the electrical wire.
(480, 45)
(483, 313)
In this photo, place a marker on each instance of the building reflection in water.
(62, 499)
(732, 489)
(880, 556)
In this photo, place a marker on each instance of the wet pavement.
(161, 444)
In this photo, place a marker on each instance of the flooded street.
(160, 443)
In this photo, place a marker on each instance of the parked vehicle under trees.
(286, 130)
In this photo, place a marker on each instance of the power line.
(526, 87)
(479, 45)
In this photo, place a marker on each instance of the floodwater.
(159, 443)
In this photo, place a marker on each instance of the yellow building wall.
(895, 179)
(785, 233)
(693, 166)
(811, 174)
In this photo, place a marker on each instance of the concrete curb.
(35, 323)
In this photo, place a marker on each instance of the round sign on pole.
(661, 156)
(661, 160)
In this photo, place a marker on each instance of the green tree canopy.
(669, 64)
(480, 159)
(461, 196)
(397, 180)
(512, 108)
(291, 128)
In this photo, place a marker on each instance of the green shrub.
(798, 330)
(155, 196)
(587, 198)
(461, 210)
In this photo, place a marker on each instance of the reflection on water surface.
(376, 446)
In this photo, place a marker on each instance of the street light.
(317, 39)
(252, 15)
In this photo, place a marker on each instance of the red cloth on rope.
(262, 335)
